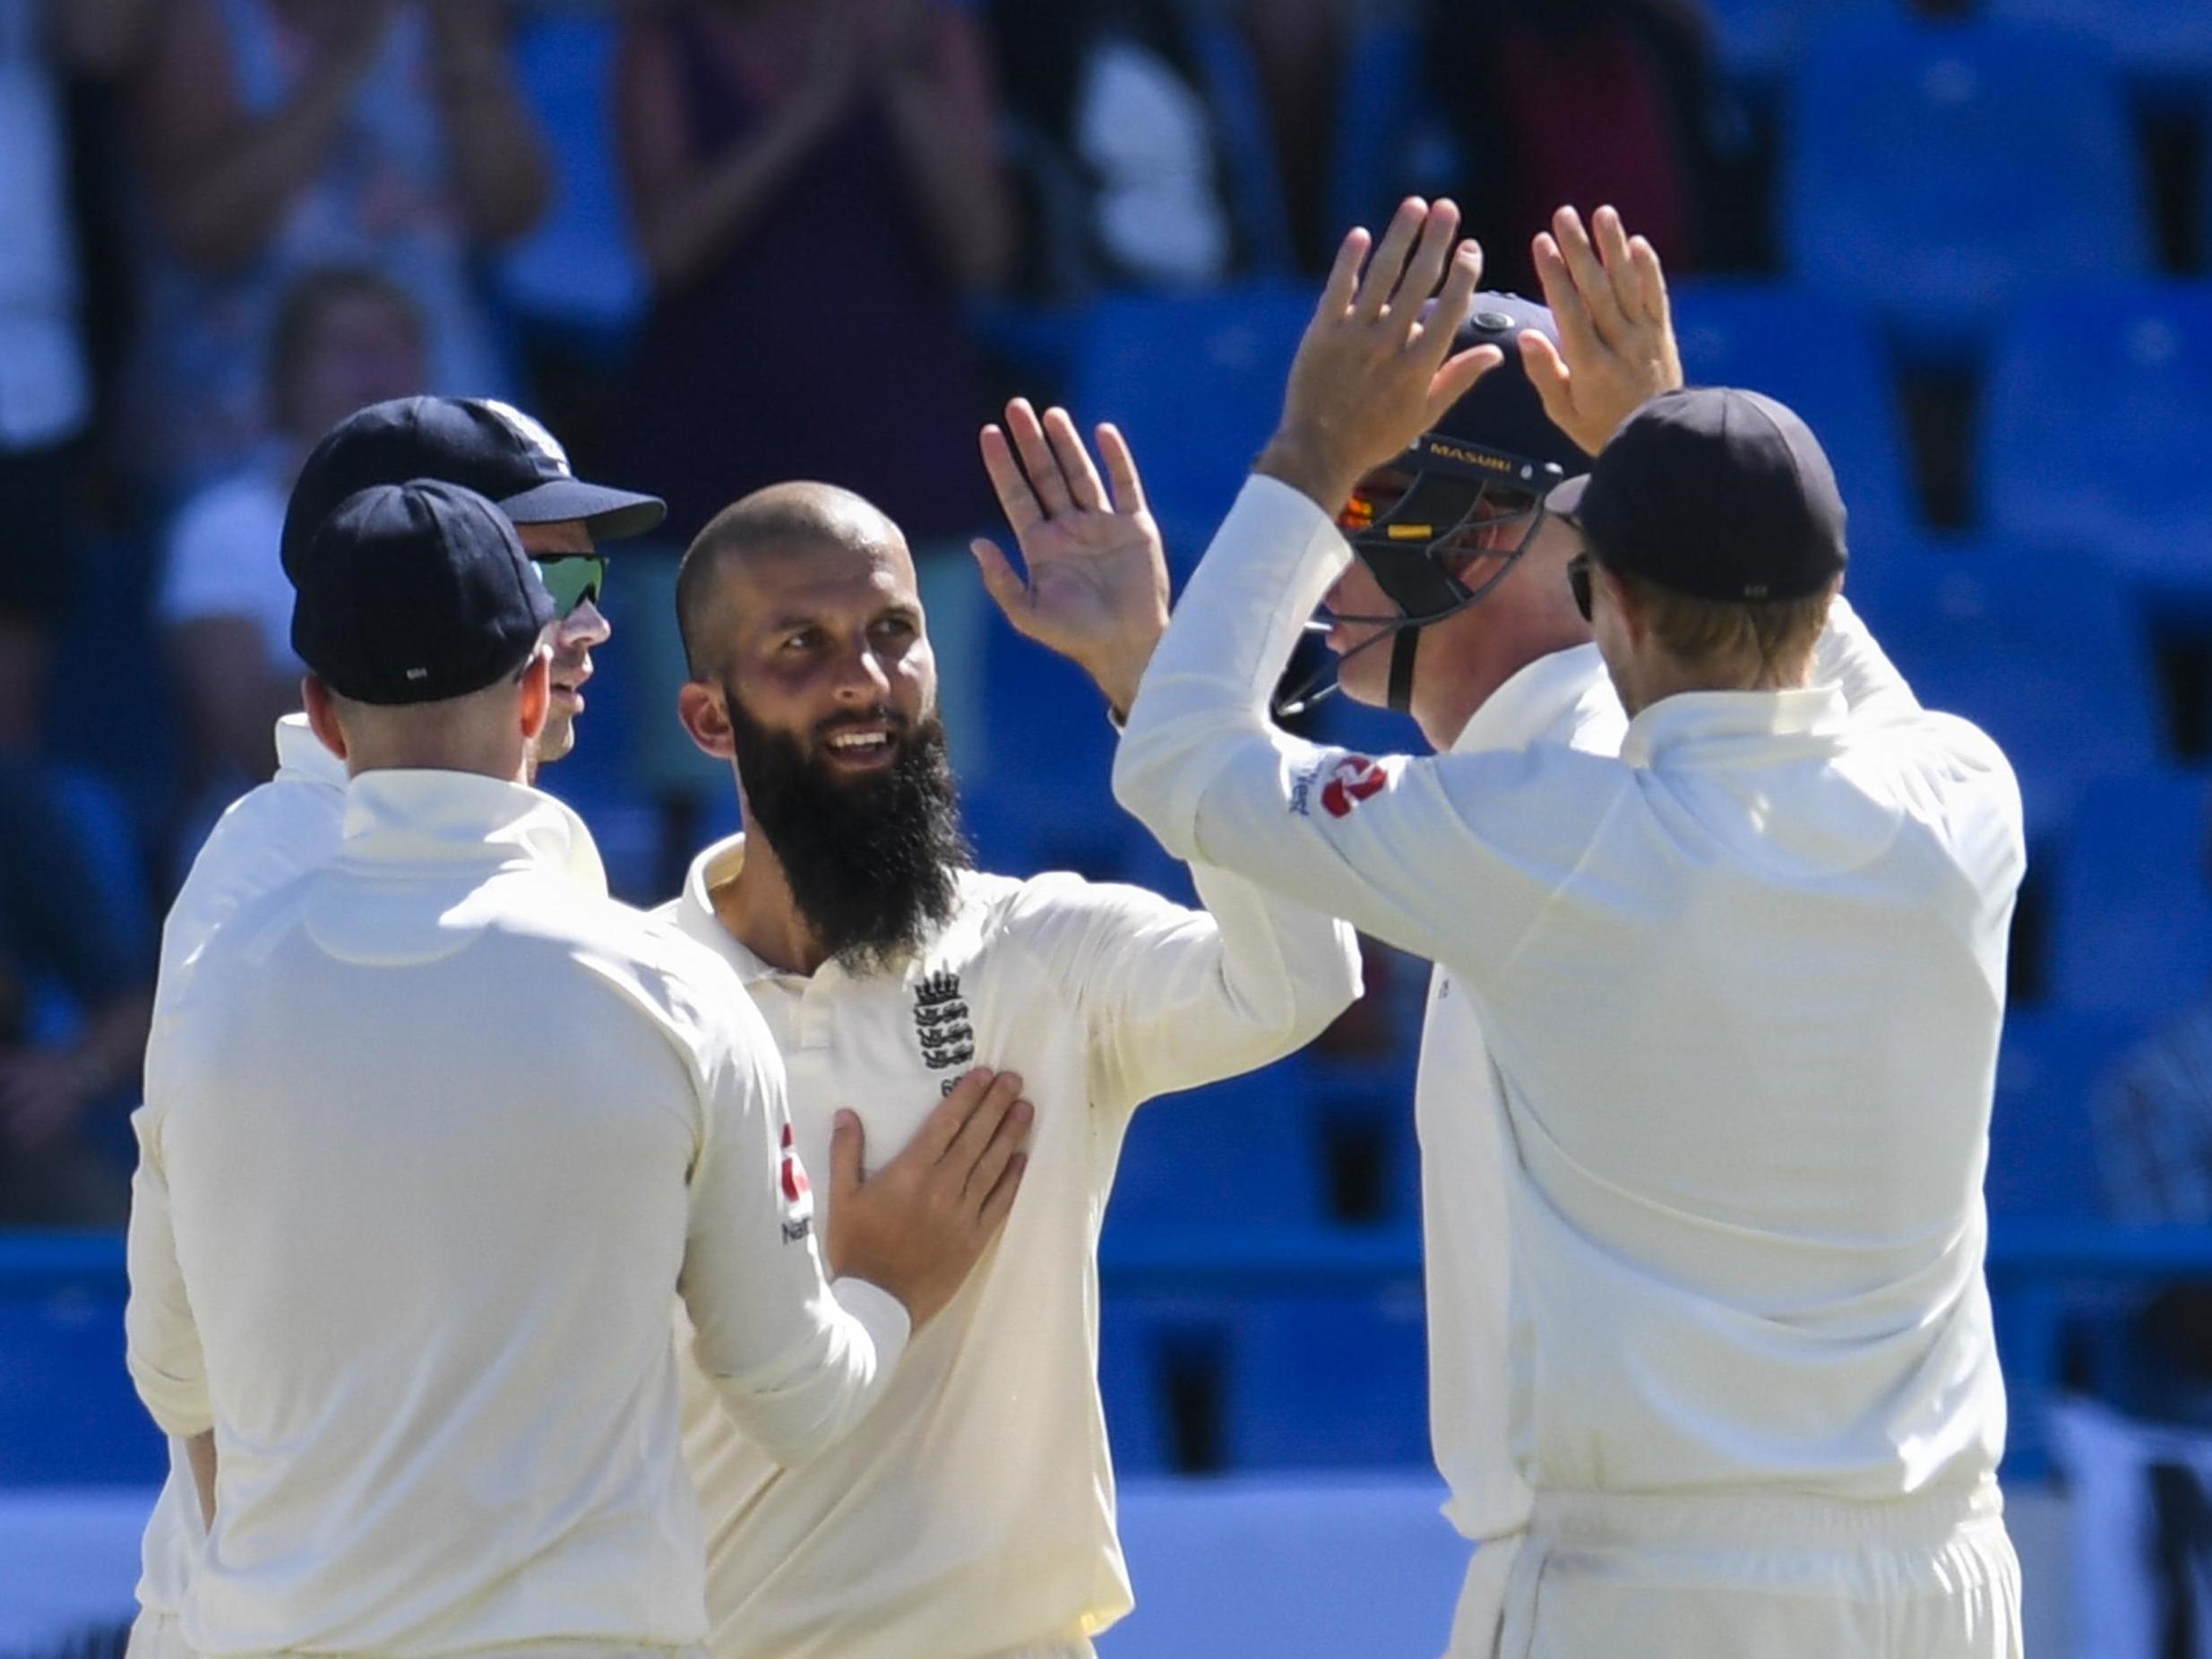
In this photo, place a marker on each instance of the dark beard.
(874, 863)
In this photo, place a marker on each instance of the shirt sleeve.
(1848, 656)
(1454, 857)
(797, 1362)
(1173, 998)
(161, 1340)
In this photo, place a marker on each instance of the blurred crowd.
(712, 243)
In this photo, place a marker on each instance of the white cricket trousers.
(1747, 1576)
(161, 1635)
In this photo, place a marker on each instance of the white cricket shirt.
(433, 1136)
(973, 1512)
(1742, 988)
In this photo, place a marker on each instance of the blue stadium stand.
(1196, 382)
(2042, 1149)
(2131, 909)
(1246, 132)
(577, 271)
(1757, 40)
(2099, 418)
(2041, 650)
(1825, 362)
(2164, 46)
(1245, 1151)
(1939, 171)
(1160, 1368)
(68, 1414)
(1378, 99)
(1329, 1381)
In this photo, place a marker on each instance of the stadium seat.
(2040, 649)
(1247, 132)
(1825, 362)
(1939, 170)
(2041, 1158)
(2131, 909)
(1336, 1381)
(577, 269)
(1196, 382)
(1757, 40)
(1245, 1151)
(1159, 1377)
(1378, 96)
(2164, 47)
(68, 1416)
(2099, 418)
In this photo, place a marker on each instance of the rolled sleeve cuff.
(880, 1313)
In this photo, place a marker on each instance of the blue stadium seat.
(1378, 96)
(1246, 133)
(1045, 800)
(1757, 40)
(1938, 171)
(2132, 909)
(1825, 362)
(1337, 1380)
(2099, 418)
(2042, 1155)
(578, 269)
(1196, 382)
(2040, 649)
(68, 1415)
(2164, 46)
(1157, 1353)
(1242, 1152)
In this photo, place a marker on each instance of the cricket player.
(971, 1515)
(409, 1263)
(293, 823)
(1740, 985)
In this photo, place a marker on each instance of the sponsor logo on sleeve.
(1339, 782)
(798, 1192)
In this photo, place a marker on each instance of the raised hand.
(1616, 329)
(1096, 587)
(1374, 371)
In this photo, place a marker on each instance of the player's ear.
(705, 717)
(321, 715)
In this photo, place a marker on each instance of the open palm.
(1095, 589)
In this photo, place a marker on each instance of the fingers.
(943, 1125)
(1344, 275)
(1036, 458)
(1453, 381)
(1547, 373)
(1015, 498)
(1427, 265)
(1457, 302)
(847, 1143)
(999, 1151)
(1001, 580)
(1121, 468)
(1000, 1199)
(1576, 332)
(1389, 263)
(1075, 463)
(1000, 1099)
(1612, 249)
(1588, 273)
(1649, 283)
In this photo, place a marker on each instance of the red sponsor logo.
(795, 1186)
(1352, 778)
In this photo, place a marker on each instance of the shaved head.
(784, 521)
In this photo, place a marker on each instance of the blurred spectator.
(1122, 162)
(2152, 1116)
(1299, 45)
(284, 135)
(1572, 101)
(67, 945)
(46, 393)
(816, 187)
(343, 339)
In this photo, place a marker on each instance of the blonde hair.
(1756, 643)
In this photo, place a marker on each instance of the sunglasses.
(571, 578)
(1578, 579)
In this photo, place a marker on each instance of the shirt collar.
(1547, 702)
(300, 754)
(426, 817)
(1690, 726)
(695, 915)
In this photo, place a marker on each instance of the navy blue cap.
(489, 447)
(413, 593)
(1713, 493)
(1500, 415)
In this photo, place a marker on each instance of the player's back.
(1750, 1048)
(428, 1119)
